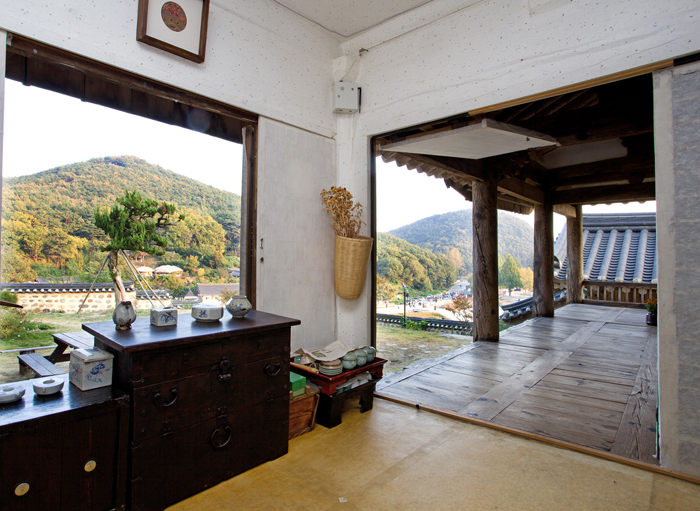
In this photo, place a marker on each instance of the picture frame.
(178, 26)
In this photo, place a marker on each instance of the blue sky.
(44, 130)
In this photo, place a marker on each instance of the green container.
(296, 381)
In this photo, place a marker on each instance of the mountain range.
(443, 233)
(48, 217)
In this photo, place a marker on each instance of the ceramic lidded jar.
(207, 312)
(361, 356)
(124, 315)
(371, 352)
(238, 306)
(349, 360)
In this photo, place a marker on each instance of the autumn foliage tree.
(462, 307)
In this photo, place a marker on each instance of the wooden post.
(485, 239)
(543, 292)
(574, 255)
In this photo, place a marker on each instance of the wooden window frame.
(37, 64)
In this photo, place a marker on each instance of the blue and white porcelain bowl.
(207, 312)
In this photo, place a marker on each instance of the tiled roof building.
(616, 248)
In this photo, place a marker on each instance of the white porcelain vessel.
(48, 386)
(124, 315)
(90, 368)
(207, 312)
(238, 306)
(164, 316)
(11, 392)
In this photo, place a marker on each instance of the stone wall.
(677, 153)
(70, 302)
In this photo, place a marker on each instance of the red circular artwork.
(173, 16)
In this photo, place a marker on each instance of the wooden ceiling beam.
(565, 209)
(600, 131)
(504, 203)
(521, 190)
(607, 194)
(607, 172)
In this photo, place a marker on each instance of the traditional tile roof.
(215, 289)
(39, 287)
(616, 248)
(524, 307)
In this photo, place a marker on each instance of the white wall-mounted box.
(346, 98)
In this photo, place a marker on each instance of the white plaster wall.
(295, 275)
(499, 50)
(259, 57)
(354, 316)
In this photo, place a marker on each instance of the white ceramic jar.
(238, 306)
(124, 315)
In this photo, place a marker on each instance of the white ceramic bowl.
(48, 386)
(207, 312)
(11, 392)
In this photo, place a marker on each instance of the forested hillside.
(48, 216)
(449, 231)
(420, 269)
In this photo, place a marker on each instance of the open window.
(42, 66)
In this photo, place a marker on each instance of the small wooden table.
(75, 340)
(330, 406)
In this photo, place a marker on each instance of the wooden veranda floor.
(586, 376)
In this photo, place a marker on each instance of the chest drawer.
(225, 387)
(151, 367)
(215, 449)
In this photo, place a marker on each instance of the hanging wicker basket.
(351, 257)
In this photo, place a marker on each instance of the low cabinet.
(209, 400)
(66, 451)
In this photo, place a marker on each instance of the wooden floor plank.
(576, 400)
(523, 422)
(499, 397)
(609, 418)
(636, 437)
(586, 376)
(580, 390)
(441, 389)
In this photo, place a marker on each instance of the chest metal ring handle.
(216, 445)
(156, 398)
(273, 372)
(224, 366)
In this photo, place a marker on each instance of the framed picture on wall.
(179, 27)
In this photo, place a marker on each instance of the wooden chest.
(209, 400)
(68, 450)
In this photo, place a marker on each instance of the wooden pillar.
(543, 292)
(485, 253)
(574, 255)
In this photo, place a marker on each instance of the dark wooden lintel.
(633, 168)
(50, 68)
(521, 190)
(607, 194)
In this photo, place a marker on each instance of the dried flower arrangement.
(345, 213)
